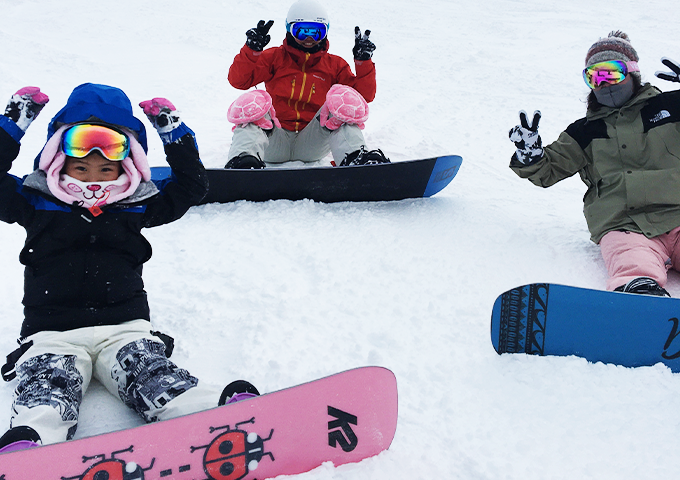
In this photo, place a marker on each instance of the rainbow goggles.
(81, 139)
(302, 30)
(610, 72)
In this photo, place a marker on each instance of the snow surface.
(283, 292)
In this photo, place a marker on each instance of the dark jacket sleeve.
(187, 186)
(13, 206)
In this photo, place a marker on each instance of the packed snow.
(281, 293)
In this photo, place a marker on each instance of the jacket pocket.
(647, 188)
(667, 138)
(593, 181)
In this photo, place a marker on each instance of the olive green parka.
(628, 157)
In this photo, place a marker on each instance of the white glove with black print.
(527, 140)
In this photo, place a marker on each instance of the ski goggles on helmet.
(302, 30)
(81, 139)
(610, 72)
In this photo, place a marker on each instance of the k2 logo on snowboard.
(675, 352)
(339, 430)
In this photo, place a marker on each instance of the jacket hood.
(51, 160)
(108, 104)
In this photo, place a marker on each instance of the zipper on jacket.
(302, 92)
(292, 91)
(309, 98)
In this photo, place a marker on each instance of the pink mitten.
(25, 105)
(162, 114)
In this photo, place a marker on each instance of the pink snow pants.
(628, 255)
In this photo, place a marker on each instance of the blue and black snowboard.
(364, 183)
(611, 327)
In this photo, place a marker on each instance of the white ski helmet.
(307, 11)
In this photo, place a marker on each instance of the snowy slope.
(284, 292)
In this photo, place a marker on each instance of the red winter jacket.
(298, 81)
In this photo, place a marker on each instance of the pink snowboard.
(343, 418)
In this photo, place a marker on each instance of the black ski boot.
(19, 438)
(644, 286)
(237, 391)
(364, 157)
(245, 162)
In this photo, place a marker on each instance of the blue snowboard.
(611, 327)
(363, 183)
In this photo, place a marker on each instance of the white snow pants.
(127, 359)
(309, 145)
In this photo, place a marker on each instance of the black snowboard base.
(364, 183)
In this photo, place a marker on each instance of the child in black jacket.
(86, 311)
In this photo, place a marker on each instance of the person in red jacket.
(313, 103)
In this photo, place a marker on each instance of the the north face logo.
(660, 116)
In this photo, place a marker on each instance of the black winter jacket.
(84, 270)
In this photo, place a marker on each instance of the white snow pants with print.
(311, 144)
(127, 359)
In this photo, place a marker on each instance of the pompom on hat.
(616, 46)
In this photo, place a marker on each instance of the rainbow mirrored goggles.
(610, 72)
(81, 139)
(302, 30)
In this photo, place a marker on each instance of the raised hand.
(363, 47)
(162, 114)
(526, 139)
(674, 74)
(258, 37)
(25, 105)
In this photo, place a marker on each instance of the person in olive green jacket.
(627, 151)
